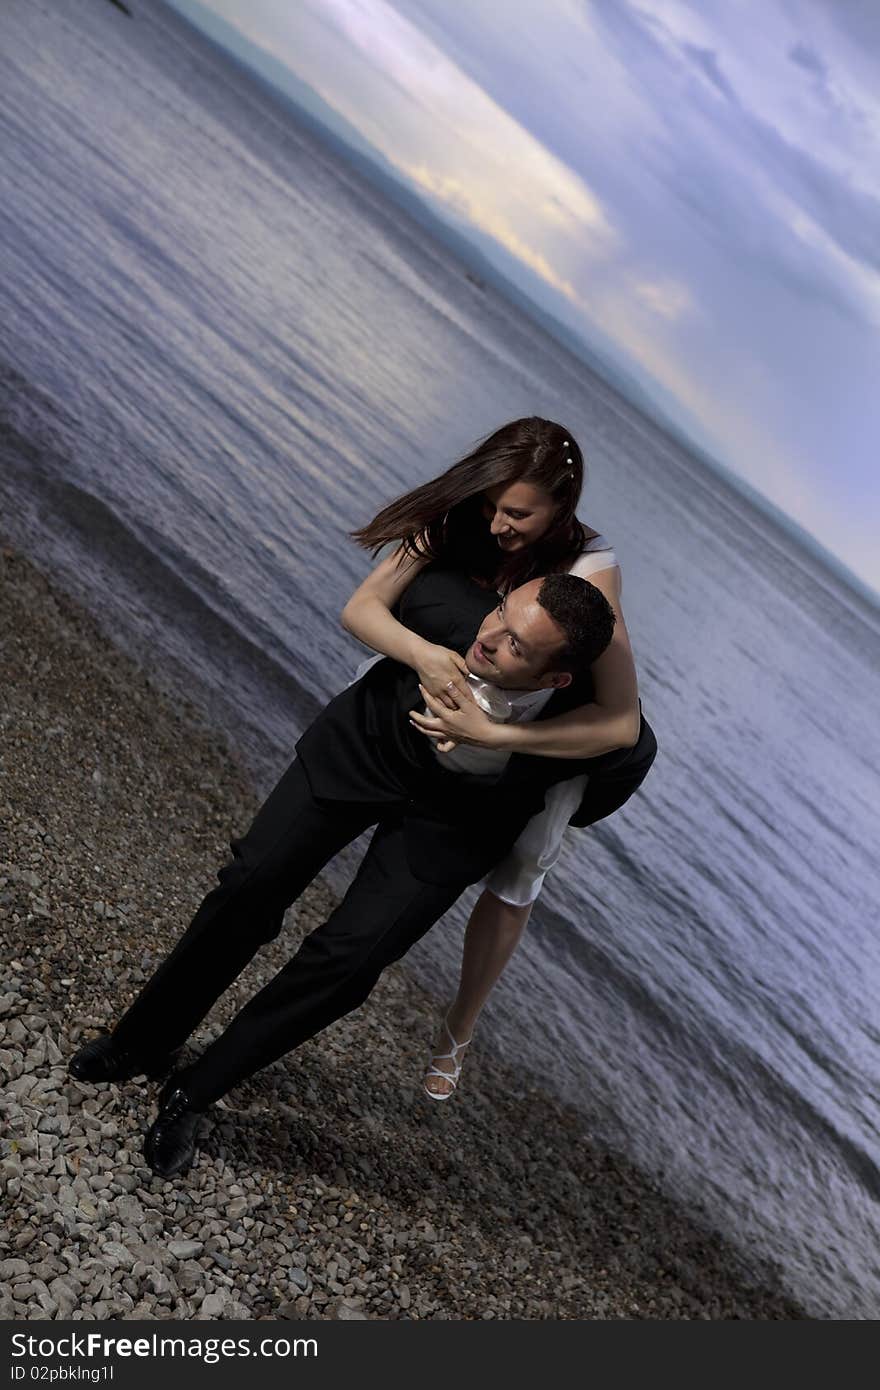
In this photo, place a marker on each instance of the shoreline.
(324, 1187)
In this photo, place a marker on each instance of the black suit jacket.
(362, 748)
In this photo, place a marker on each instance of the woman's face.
(518, 514)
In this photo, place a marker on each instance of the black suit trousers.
(385, 911)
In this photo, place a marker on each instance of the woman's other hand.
(463, 722)
(443, 675)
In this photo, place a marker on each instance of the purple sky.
(694, 187)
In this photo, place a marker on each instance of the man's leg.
(290, 840)
(385, 911)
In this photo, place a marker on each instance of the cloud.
(805, 58)
(484, 215)
(437, 121)
(742, 165)
(707, 62)
(668, 298)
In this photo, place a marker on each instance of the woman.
(504, 514)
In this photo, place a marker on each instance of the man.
(438, 829)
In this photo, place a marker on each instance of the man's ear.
(557, 680)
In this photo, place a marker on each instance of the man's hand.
(463, 722)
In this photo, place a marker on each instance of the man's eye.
(499, 609)
(513, 647)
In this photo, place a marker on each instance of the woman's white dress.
(520, 875)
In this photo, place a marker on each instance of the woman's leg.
(491, 937)
(501, 913)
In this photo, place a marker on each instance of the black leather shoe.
(171, 1139)
(103, 1059)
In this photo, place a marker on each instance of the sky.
(693, 188)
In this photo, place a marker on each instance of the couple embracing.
(505, 708)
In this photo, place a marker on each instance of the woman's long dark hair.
(444, 518)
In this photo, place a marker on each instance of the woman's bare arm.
(368, 616)
(611, 721)
(613, 718)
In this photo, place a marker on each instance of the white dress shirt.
(505, 707)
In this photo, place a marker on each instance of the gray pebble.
(185, 1249)
(116, 1255)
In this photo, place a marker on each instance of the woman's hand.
(368, 616)
(443, 674)
(464, 722)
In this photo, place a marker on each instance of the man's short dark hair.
(585, 616)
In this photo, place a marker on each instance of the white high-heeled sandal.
(451, 1076)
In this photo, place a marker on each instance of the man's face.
(517, 643)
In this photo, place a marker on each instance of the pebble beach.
(324, 1188)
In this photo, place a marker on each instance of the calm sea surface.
(219, 350)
